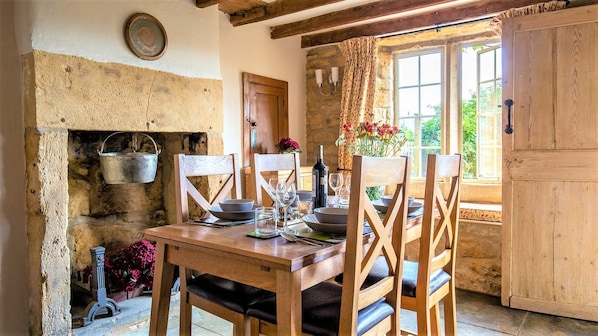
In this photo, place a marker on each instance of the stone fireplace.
(67, 97)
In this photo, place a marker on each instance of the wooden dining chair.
(268, 163)
(221, 297)
(431, 279)
(351, 309)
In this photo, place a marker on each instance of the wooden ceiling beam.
(205, 3)
(351, 15)
(274, 9)
(454, 14)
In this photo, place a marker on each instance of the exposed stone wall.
(63, 93)
(322, 118)
(478, 264)
(47, 250)
(323, 112)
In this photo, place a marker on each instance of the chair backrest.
(186, 166)
(388, 234)
(261, 163)
(441, 217)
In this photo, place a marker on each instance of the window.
(419, 98)
(436, 120)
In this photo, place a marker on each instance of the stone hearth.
(66, 94)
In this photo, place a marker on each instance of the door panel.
(550, 163)
(265, 114)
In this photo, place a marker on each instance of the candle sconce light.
(332, 80)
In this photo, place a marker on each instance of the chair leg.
(185, 318)
(255, 326)
(435, 320)
(450, 312)
(241, 325)
(423, 321)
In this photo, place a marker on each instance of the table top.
(234, 240)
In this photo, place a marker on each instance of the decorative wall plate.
(146, 36)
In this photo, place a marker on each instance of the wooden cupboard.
(550, 163)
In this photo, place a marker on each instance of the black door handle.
(509, 127)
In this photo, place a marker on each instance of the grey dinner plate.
(231, 215)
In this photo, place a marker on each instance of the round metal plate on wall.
(146, 36)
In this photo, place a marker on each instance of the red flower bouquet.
(288, 145)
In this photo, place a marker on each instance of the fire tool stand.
(98, 289)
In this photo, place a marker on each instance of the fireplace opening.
(114, 216)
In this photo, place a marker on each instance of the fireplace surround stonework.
(64, 93)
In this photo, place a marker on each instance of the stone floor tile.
(466, 329)
(549, 325)
(486, 311)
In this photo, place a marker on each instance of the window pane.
(408, 102)
(489, 138)
(430, 100)
(430, 68)
(430, 131)
(419, 107)
(487, 66)
(408, 71)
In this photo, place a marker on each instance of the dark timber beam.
(351, 15)
(274, 9)
(454, 14)
(205, 3)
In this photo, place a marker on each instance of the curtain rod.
(438, 26)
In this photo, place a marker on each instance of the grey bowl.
(236, 205)
(387, 198)
(332, 215)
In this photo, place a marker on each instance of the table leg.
(288, 303)
(161, 291)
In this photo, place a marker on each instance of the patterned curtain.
(496, 23)
(359, 84)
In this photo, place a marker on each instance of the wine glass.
(272, 184)
(285, 194)
(348, 182)
(336, 183)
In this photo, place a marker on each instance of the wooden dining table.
(286, 268)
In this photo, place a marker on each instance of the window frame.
(473, 190)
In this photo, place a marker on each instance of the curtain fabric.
(359, 85)
(496, 23)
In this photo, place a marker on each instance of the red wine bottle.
(319, 174)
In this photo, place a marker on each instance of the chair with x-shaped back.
(268, 163)
(221, 297)
(432, 278)
(351, 308)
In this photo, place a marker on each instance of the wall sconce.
(332, 80)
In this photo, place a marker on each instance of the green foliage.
(469, 121)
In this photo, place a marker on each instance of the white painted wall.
(201, 43)
(249, 49)
(94, 30)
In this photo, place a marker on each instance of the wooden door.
(265, 114)
(550, 180)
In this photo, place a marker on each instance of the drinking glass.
(285, 193)
(336, 183)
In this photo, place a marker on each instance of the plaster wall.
(249, 49)
(13, 240)
(92, 31)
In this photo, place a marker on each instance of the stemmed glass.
(336, 183)
(272, 185)
(285, 194)
(348, 182)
